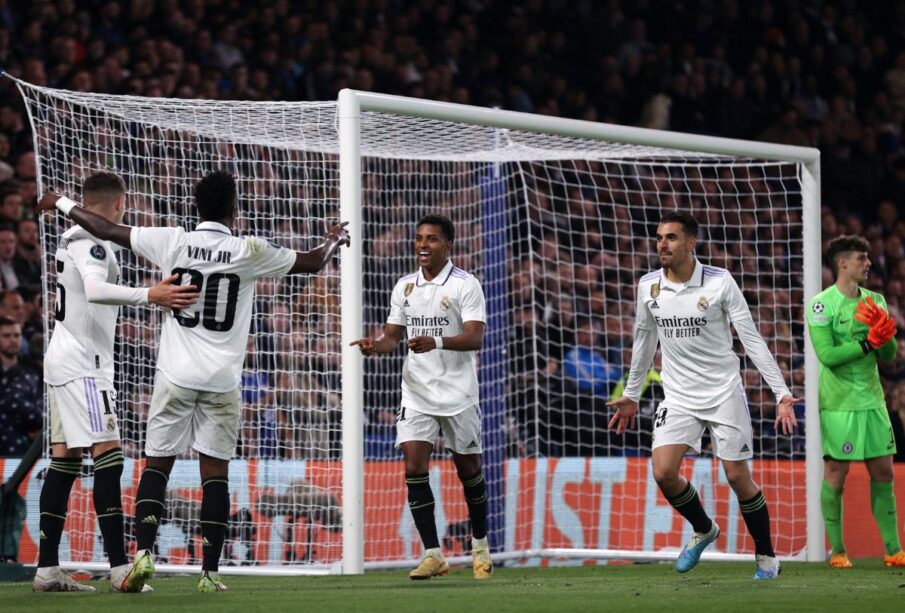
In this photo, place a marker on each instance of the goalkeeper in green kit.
(850, 330)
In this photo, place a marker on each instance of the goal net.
(557, 228)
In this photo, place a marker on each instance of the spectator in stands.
(9, 280)
(27, 261)
(21, 406)
(10, 208)
(791, 74)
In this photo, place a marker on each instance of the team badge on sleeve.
(817, 307)
(409, 287)
(98, 252)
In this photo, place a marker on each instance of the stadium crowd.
(808, 72)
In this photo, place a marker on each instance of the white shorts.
(82, 413)
(461, 432)
(729, 425)
(180, 418)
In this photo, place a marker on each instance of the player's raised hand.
(626, 409)
(785, 415)
(365, 346)
(339, 234)
(168, 293)
(47, 202)
(422, 344)
(869, 313)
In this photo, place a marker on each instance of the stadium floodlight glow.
(553, 215)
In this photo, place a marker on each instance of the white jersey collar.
(440, 279)
(212, 226)
(696, 280)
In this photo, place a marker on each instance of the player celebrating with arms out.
(850, 329)
(196, 400)
(441, 308)
(688, 307)
(78, 369)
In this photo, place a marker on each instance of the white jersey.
(82, 341)
(692, 322)
(203, 347)
(438, 382)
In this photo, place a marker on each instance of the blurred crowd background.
(827, 74)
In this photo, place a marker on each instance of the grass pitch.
(634, 587)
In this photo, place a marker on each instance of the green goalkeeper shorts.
(856, 435)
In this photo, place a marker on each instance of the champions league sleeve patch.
(98, 252)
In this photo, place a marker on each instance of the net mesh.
(559, 232)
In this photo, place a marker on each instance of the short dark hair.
(843, 244)
(687, 220)
(215, 195)
(446, 225)
(104, 186)
(6, 321)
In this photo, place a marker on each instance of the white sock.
(479, 543)
(45, 572)
(434, 552)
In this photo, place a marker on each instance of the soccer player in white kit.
(441, 310)
(78, 368)
(689, 307)
(196, 400)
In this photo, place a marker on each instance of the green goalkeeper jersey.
(849, 379)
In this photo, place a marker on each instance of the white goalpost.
(553, 215)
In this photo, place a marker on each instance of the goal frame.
(351, 103)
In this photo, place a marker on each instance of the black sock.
(108, 504)
(53, 504)
(476, 499)
(757, 518)
(214, 520)
(689, 506)
(421, 504)
(150, 501)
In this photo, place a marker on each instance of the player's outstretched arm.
(95, 224)
(471, 339)
(317, 258)
(385, 343)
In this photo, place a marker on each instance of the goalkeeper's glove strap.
(866, 347)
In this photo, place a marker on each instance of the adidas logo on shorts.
(472, 444)
(744, 449)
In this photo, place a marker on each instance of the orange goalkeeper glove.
(869, 313)
(879, 335)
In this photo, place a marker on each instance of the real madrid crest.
(111, 424)
(409, 288)
(444, 302)
(703, 305)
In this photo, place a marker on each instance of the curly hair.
(215, 195)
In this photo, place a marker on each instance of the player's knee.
(666, 476)
(416, 466)
(164, 465)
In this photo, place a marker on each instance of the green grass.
(641, 587)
